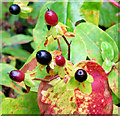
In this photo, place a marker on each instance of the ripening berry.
(17, 75)
(60, 60)
(51, 18)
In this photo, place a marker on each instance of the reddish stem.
(114, 3)
(41, 79)
(54, 77)
(68, 46)
(59, 44)
(47, 80)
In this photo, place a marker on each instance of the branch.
(114, 3)
(68, 46)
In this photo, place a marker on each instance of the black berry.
(17, 75)
(51, 18)
(60, 60)
(14, 9)
(80, 75)
(43, 57)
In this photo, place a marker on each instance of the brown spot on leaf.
(29, 66)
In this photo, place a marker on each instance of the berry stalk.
(59, 44)
(68, 46)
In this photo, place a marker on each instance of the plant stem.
(59, 44)
(41, 79)
(114, 3)
(46, 80)
(68, 46)
(54, 77)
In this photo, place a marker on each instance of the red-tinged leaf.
(73, 101)
(55, 53)
(48, 41)
(29, 66)
(69, 34)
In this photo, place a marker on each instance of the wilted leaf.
(59, 100)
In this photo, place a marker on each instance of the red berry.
(51, 18)
(60, 60)
(17, 75)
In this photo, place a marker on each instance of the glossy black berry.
(14, 9)
(60, 60)
(51, 18)
(43, 57)
(17, 75)
(80, 75)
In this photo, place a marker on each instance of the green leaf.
(28, 81)
(5, 79)
(17, 52)
(78, 49)
(116, 110)
(91, 11)
(72, 84)
(36, 9)
(85, 87)
(26, 9)
(107, 65)
(16, 39)
(5, 35)
(26, 104)
(108, 14)
(23, 15)
(73, 13)
(107, 51)
(114, 32)
(93, 37)
(89, 78)
(113, 82)
(116, 100)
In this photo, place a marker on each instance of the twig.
(59, 44)
(46, 80)
(114, 3)
(68, 46)
(54, 77)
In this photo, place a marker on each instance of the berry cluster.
(44, 57)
